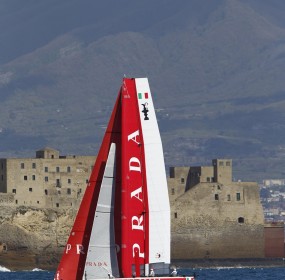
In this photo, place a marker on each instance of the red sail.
(134, 196)
(73, 259)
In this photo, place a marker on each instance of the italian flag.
(143, 95)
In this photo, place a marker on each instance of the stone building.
(212, 216)
(48, 180)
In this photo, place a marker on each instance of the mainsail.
(122, 227)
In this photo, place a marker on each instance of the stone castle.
(46, 181)
(212, 217)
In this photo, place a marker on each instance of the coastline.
(229, 263)
(24, 260)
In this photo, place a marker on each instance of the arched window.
(241, 220)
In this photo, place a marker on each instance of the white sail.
(101, 261)
(158, 201)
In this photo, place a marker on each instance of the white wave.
(37, 269)
(4, 269)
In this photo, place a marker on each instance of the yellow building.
(212, 216)
(46, 181)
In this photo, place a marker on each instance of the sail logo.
(96, 264)
(145, 111)
(137, 221)
(79, 249)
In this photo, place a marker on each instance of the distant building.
(212, 216)
(48, 180)
(273, 182)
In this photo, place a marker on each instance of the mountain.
(215, 69)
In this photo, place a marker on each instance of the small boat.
(122, 228)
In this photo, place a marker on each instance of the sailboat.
(122, 228)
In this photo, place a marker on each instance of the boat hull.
(154, 278)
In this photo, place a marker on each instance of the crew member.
(174, 272)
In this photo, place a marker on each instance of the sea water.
(221, 273)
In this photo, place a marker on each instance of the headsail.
(101, 260)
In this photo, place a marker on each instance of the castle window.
(22, 165)
(219, 187)
(87, 181)
(182, 180)
(208, 179)
(238, 196)
(68, 169)
(58, 183)
(57, 169)
(172, 191)
(57, 204)
(68, 191)
(52, 156)
(46, 192)
(30, 189)
(33, 165)
(175, 215)
(46, 169)
(14, 191)
(38, 202)
(228, 163)
(221, 163)
(34, 177)
(16, 201)
(69, 181)
(216, 196)
(46, 179)
(25, 178)
(229, 197)
(241, 220)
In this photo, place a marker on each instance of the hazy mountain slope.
(215, 69)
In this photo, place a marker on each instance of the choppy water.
(202, 274)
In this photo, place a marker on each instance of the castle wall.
(217, 220)
(46, 181)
